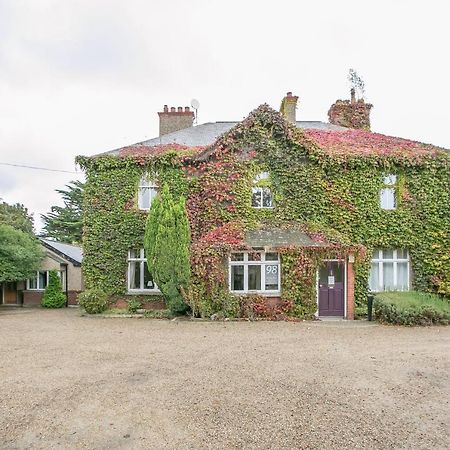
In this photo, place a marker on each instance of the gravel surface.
(73, 382)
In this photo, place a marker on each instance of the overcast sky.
(87, 76)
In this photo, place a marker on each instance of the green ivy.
(336, 195)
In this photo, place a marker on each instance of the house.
(65, 259)
(292, 217)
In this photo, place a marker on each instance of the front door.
(331, 288)
(9, 293)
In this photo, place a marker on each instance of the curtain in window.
(387, 198)
(374, 279)
(402, 276)
(388, 276)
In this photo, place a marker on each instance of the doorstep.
(332, 318)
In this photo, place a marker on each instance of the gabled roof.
(70, 252)
(207, 133)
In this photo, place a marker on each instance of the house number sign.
(271, 274)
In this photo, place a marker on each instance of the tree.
(20, 254)
(17, 216)
(167, 240)
(54, 296)
(65, 223)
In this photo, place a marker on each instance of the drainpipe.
(67, 288)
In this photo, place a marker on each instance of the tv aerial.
(195, 104)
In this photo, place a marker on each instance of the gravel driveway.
(72, 382)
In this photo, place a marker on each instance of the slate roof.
(71, 252)
(207, 133)
(276, 238)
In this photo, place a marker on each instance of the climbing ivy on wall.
(325, 184)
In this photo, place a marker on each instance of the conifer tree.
(167, 239)
(54, 296)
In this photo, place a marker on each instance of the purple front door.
(331, 288)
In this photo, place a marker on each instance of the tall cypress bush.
(54, 296)
(167, 239)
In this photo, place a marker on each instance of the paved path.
(76, 382)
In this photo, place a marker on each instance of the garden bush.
(54, 296)
(94, 301)
(411, 308)
(133, 306)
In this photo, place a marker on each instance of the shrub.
(255, 306)
(54, 296)
(411, 308)
(133, 306)
(94, 301)
(158, 314)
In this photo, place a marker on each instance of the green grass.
(411, 308)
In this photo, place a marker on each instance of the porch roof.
(279, 237)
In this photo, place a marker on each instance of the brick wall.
(33, 298)
(350, 291)
(175, 119)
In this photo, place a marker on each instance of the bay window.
(389, 270)
(254, 272)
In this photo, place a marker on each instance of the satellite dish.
(195, 103)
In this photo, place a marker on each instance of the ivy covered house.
(286, 217)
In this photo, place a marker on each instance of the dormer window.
(388, 193)
(147, 192)
(261, 192)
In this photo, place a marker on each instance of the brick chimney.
(351, 113)
(174, 120)
(288, 107)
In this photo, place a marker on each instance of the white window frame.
(389, 189)
(263, 263)
(259, 190)
(146, 182)
(61, 274)
(142, 260)
(380, 260)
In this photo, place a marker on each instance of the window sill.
(263, 207)
(144, 292)
(261, 293)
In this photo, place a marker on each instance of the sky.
(80, 77)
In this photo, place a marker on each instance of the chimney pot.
(352, 95)
(175, 119)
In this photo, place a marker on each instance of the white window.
(139, 278)
(388, 193)
(147, 192)
(389, 270)
(254, 272)
(261, 195)
(40, 281)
